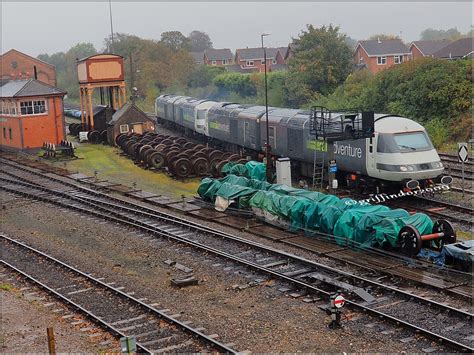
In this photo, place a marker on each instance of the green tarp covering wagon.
(349, 222)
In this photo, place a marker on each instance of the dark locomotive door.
(295, 143)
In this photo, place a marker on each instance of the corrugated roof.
(430, 47)
(125, 108)
(384, 47)
(256, 53)
(457, 49)
(27, 87)
(218, 54)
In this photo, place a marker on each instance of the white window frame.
(8, 108)
(224, 61)
(34, 104)
(274, 61)
(124, 128)
(213, 62)
(398, 59)
(382, 60)
(250, 63)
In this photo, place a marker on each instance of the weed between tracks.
(110, 165)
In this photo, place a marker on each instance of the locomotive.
(398, 153)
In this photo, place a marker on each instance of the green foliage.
(175, 40)
(438, 132)
(199, 41)
(235, 82)
(432, 91)
(322, 60)
(385, 37)
(203, 76)
(432, 34)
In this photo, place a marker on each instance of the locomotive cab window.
(412, 141)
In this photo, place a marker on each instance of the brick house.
(218, 57)
(460, 49)
(17, 65)
(420, 49)
(251, 58)
(378, 55)
(31, 113)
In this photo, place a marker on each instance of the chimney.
(35, 72)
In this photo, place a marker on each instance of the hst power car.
(399, 152)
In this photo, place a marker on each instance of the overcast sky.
(50, 27)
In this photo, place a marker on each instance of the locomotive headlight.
(410, 167)
(403, 168)
(437, 164)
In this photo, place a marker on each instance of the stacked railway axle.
(181, 157)
(92, 136)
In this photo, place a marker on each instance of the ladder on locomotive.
(318, 168)
(320, 117)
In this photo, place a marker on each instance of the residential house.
(218, 57)
(15, 65)
(250, 58)
(420, 49)
(460, 49)
(379, 54)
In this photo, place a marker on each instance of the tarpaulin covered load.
(461, 254)
(386, 231)
(312, 215)
(346, 228)
(252, 170)
(208, 188)
(235, 193)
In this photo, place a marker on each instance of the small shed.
(129, 118)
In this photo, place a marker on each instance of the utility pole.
(111, 28)
(267, 146)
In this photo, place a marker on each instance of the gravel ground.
(25, 319)
(260, 318)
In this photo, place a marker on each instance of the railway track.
(376, 262)
(453, 325)
(116, 311)
(453, 158)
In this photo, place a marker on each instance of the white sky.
(50, 27)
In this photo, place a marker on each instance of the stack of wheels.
(182, 158)
(75, 128)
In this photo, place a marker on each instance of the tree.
(174, 40)
(432, 34)
(199, 41)
(385, 37)
(321, 61)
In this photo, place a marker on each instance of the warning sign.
(339, 301)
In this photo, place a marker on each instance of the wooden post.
(51, 341)
(119, 94)
(81, 98)
(91, 114)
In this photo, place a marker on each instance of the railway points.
(182, 238)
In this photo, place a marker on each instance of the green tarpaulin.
(350, 222)
(252, 170)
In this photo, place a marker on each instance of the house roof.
(383, 47)
(129, 106)
(458, 49)
(27, 56)
(284, 51)
(256, 53)
(430, 47)
(198, 57)
(26, 88)
(236, 68)
(218, 54)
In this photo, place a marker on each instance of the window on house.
(398, 59)
(249, 63)
(10, 133)
(124, 128)
(214, 62)
(224, 62)
(4, 133)
(382, 60)
(274, 61)
(262, 61)
(33, 107)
